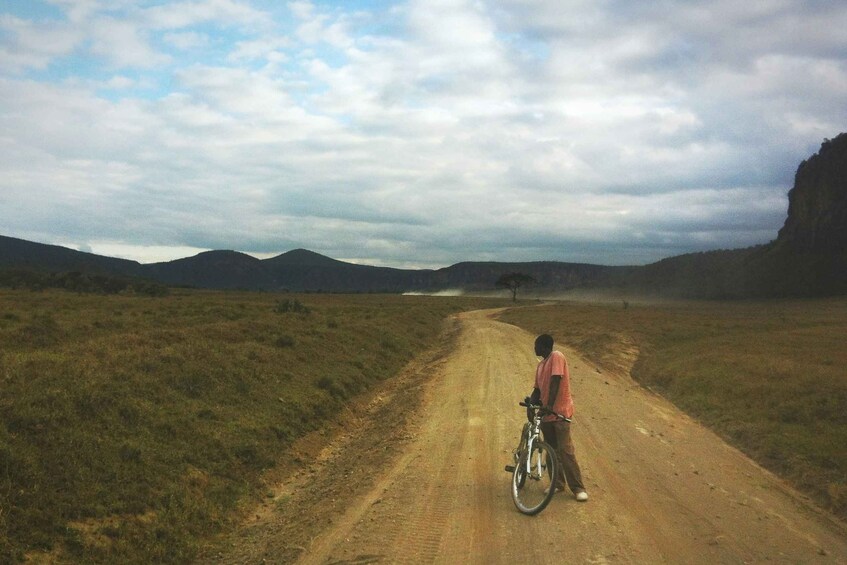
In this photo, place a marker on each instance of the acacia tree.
(514, 281)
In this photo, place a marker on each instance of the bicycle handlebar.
(544, 411)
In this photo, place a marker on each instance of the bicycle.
(536, 465)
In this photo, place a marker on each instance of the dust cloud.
(446, 292)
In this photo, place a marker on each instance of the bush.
(285, 341)
(291, 306)
(79, 282)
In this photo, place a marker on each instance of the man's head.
(544, 345)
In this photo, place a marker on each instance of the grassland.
(769, 377)
(132, 428)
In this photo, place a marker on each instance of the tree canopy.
(513, 281)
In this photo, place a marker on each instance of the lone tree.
(514, 281)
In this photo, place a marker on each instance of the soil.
(415, 475)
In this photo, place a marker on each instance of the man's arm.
(535, 398)
(553, 391)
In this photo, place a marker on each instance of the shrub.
(79, 282)
(285, 341)
(291, 306)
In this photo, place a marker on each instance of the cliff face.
(809, 257)
(817, 205)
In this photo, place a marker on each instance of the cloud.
(124, 45)
(33, 45)
(422, 133)
(264, 48)
(80, 10)
(178, 15)
(186, 41)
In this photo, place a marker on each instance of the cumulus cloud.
(29, 44)
(187, 40)
(421, 133)
(123, 44)
(269, 48)
(178, 15)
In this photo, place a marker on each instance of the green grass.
(134, 428)
(769, 377)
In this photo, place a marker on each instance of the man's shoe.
(558, 489)
(581, 496)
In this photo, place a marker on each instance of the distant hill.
(808, 258)
(305, 270)
(38, 256)
(720, 274)
(213, 269)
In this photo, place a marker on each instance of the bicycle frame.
(529, 435)
(534, 433)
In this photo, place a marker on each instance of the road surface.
(662, 488)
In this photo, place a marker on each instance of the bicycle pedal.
(510, 468)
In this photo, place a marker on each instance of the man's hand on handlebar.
(542, 410)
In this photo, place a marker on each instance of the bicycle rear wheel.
(532, 490)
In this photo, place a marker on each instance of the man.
(553, 391)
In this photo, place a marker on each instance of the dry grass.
(131, 428)
(769, 377)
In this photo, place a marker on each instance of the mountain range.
(808, 258)
(298, 270)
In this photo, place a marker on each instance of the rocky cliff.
(817, 205)
(809, 256)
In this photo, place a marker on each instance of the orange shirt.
(555, 364)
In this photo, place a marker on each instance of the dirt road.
(662, 488)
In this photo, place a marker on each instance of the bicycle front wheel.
(522, 445)
(533, 484)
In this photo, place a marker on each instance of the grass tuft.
(291, 305)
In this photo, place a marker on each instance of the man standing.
(553, 391)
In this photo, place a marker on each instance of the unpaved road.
(662, 488)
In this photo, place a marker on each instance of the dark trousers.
(558, 435)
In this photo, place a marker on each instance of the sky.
(413, 133)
